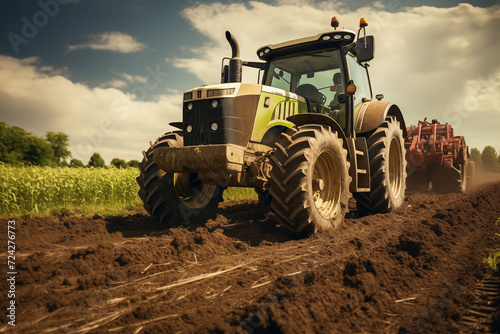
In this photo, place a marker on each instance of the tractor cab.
(316, 76)
(328, 71)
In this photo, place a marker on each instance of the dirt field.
(413, 270)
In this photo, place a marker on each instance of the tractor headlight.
(214, 103)
(214, 126)
(190, 106)
(189, 128)
(263, 52)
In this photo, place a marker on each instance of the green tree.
(475, 155)
(59, 143)
(19, 147)
(133, 163)
(119, 163)
(489, 158)
(96, 161)
(13, 144)
(76, 163)
(39, 152)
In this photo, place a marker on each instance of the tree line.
(22, 148)
(488, 160)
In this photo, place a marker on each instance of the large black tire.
(387, 169)
(309, 180)
(449, 180)
(175, 199)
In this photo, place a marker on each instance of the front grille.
(200, 118)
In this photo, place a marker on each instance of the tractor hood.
(236, 113)
(220, 91)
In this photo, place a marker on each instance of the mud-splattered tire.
(309, 180)
(175, 199)
(387, 169)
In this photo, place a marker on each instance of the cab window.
(360, 78)
(280, 78)
(314, 75)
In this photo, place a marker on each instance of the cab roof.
(321, 41)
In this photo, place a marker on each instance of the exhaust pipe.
(235, 63)
(235, 48)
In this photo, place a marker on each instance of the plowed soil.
(412, 270)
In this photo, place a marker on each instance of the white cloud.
(134, 78)
(111, 41)
(433, 62)
(107, 121)
(254, 24)
(126, 80)
(115, 84)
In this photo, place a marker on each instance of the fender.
(373, 113)
(310, 118)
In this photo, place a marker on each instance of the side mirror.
(365, 49)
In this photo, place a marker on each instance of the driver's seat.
(314, 98)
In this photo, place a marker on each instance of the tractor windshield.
(315, 75)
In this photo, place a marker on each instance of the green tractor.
(305, 139)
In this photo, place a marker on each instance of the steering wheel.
(311, 93)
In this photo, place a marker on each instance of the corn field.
(46, 190)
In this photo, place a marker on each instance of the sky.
(111, 73)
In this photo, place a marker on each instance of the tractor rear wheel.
(309, 180)
(387, 168)
(175, 199)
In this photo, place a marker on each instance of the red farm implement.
(437, 159)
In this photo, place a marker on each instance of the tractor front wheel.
(309, 180)
(175, 199)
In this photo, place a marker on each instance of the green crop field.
(47, 191)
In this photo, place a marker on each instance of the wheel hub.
(191, 191)
(395, 170)
(318, 185)
(326, 185)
